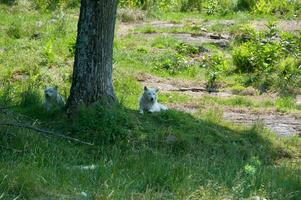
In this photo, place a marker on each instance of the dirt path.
(280, 123)
(284, 25)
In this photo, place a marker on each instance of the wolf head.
(51, 93)
(150, 94)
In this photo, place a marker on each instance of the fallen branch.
(193, 89)
(45, 132)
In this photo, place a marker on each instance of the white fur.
(148, 101)
(53, 99)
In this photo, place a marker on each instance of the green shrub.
(215, 65)
(212, 7)
(221, 7)
(187, 49)
(289, 75)
(269, 58)
(278, 7)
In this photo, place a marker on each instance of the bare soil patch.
(284, 25)
(280, 123)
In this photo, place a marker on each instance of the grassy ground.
(170, 155)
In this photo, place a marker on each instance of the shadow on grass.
(201, 153)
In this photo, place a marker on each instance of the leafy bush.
(212, 7)
(187, 49)
(269, 58)
(279, 7)
(215, 65)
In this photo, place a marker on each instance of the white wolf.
(148, 101)
(53, 99)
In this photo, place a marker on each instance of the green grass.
(210, 159)
(133, 158)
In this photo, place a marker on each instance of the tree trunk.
(92, 72)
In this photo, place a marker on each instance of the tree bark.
(92, 72)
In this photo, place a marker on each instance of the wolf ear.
(157, 90)
(145, 88)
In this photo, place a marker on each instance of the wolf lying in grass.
(148, 101)
(53, 99)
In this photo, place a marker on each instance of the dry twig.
(44, 132)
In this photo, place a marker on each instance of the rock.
(215, 36)
(221, 43)
(204, 29)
